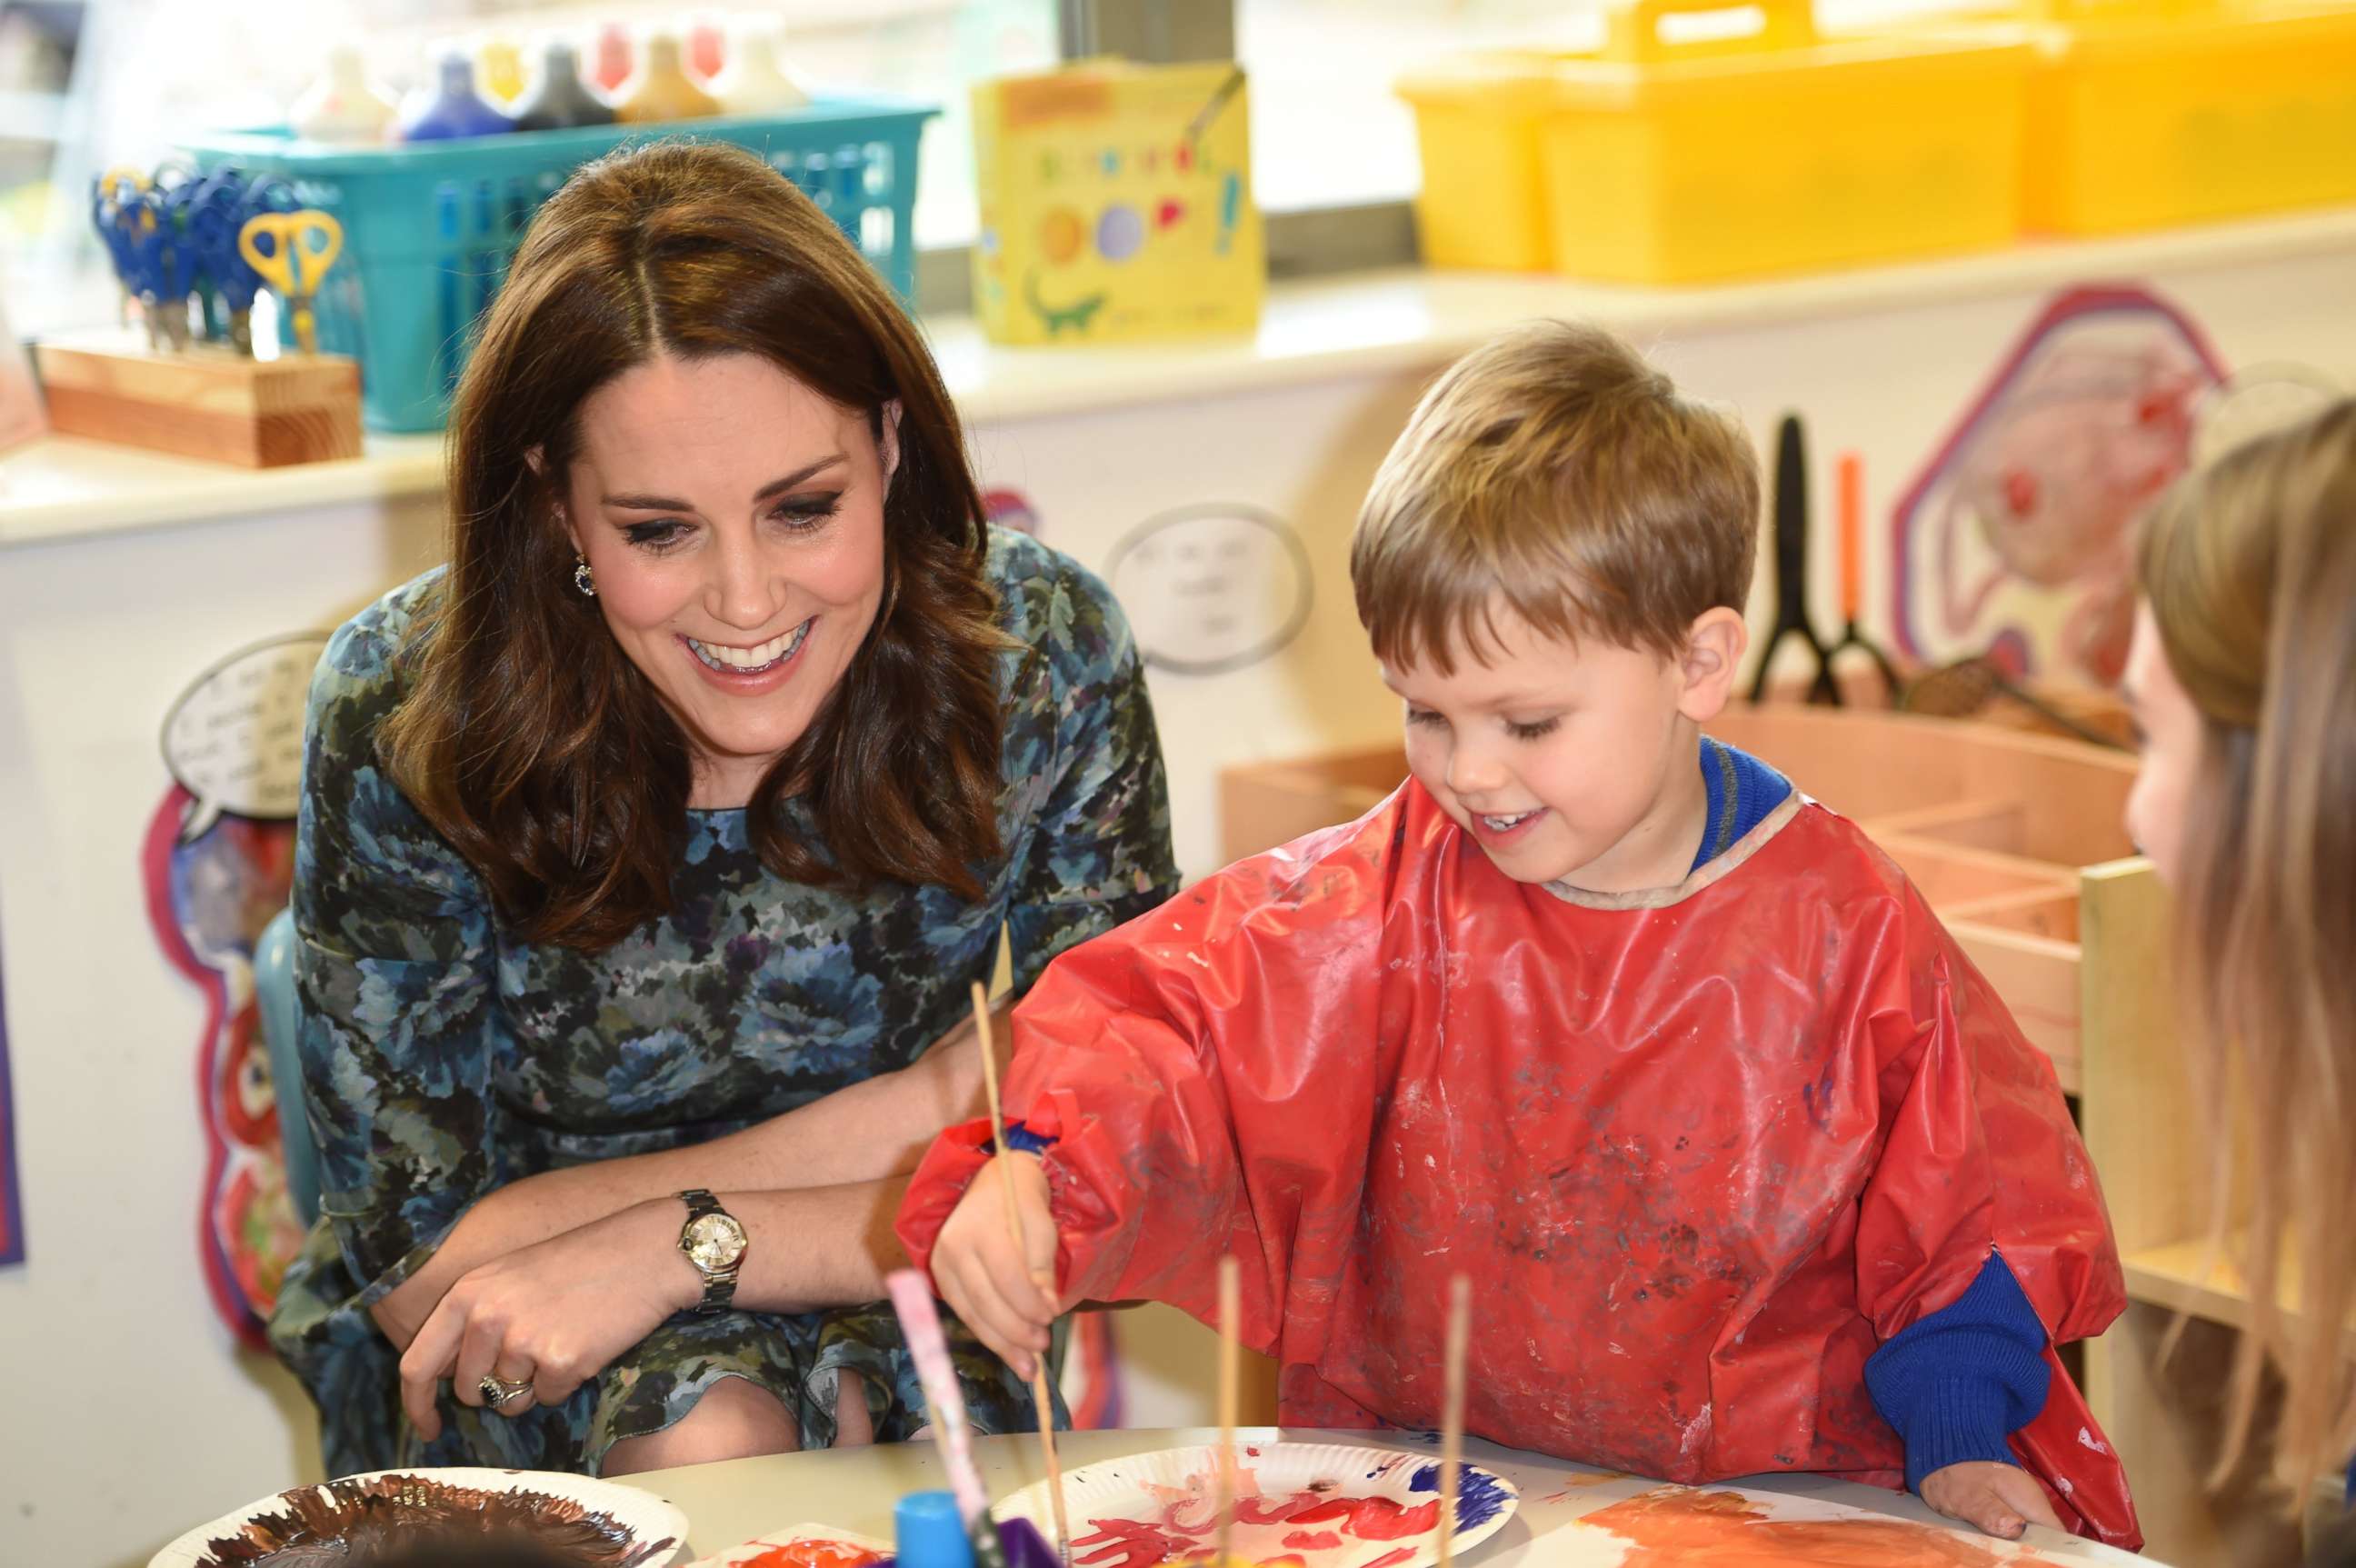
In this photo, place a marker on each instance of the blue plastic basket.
(429, 229)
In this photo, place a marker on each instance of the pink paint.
(1260, 1510)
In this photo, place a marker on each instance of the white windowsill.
(58, 489)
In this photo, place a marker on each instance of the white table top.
(854, 1489)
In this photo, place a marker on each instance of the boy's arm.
(1202, 1081)
(1982, 1238)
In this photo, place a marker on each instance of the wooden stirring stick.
(1231, 1364)
(1452, 1415)
(1022, 1248)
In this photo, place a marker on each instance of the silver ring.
(497, 1391)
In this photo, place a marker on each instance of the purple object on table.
(458, 109)
(1025, 1547)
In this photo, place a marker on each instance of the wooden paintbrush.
(1451, 1414)
(1231, 1363)
(1023, 1249)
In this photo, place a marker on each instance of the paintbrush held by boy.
(1749, 1168)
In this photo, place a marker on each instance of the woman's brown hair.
(2250, 570)
(530, 740)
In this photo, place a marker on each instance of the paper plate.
(1319, 1505)
(801, 1546)
(647, 1518)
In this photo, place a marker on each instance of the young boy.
(1749, 1168)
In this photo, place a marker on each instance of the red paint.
(1392, 1559)
(814, 1554)
(1183, 1530)
(1126, 1544)
(1379, 1518)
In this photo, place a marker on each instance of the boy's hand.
(1999, 1500)
(998, 1292)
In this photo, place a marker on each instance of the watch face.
(714, 1241)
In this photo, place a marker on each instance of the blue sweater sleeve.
(1955, 1384)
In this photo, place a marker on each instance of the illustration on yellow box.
(1116, 204)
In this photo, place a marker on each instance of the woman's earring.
(584, 578)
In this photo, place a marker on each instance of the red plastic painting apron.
(1700, 1150)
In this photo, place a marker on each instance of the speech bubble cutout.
(1213, 589)
(234, 738)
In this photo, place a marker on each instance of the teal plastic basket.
(429, 229)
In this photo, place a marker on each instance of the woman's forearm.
(805, 1250)
(853, 1138)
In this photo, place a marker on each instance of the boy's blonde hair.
(1554, 471)
(2249, 567)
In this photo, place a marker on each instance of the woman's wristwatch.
(714, 1244)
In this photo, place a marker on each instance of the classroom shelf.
(2194, 1278)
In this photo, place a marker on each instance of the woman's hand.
(553, 1314)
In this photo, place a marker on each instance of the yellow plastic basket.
(1784, 150)
(2145, 115)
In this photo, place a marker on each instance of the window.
(1327, 128)
(113, 82)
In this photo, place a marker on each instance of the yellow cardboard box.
(1116, 204)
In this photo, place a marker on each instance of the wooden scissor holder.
(203, 402)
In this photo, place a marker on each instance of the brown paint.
(1674, 1528)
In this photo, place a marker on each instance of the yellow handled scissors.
(304, 246)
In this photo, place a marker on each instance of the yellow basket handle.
(2116, 10)
(1633, 26)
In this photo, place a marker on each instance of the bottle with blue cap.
(455, 110)
(929, 1532)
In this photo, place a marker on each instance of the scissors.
(303, 245)
(216, 212)
(118, 209)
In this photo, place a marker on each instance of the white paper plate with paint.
(1316, 1505)
(653, 1532)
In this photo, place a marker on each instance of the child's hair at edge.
(2249, 567)
(1553, 473)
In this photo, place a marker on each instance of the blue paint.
(1479, 1494)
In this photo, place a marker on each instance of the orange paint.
(814, 1554)
(1674, 1528)
(1572, 1484)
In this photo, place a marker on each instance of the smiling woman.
(647, 852)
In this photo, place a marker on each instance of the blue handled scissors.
(216, 209)
(161, 262)
(118, 208)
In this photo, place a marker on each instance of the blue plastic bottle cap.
(930, 1534)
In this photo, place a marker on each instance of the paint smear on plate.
(1676, 1528)
(812, 1553)
(1276, 1531)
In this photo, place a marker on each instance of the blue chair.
(281, 1025)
